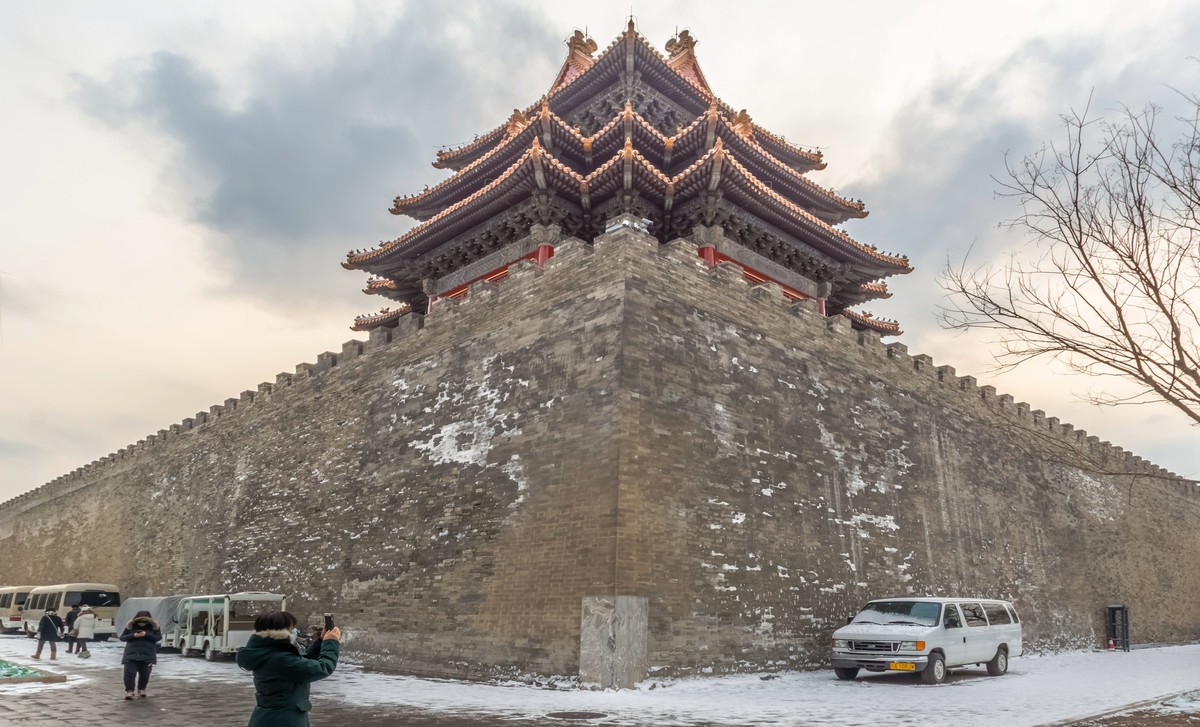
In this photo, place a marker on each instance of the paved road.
(94, 695)
(191, 692)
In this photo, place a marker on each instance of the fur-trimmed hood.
(285, 634)
(265, 644)
(145, 623)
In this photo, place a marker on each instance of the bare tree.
(1109, 283)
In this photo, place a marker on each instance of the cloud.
(303, 169)
(933, 190)
(16, 449)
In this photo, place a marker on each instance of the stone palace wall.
(719, 472)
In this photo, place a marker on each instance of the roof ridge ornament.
(683, 42)
(681, 50)
(516, 123)
(580, 48)
(742, 124)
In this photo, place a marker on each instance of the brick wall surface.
(622, 422)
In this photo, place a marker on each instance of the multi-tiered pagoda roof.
(630, 131)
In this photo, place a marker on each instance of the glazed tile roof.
(883, 326)
(384, 317)
(538, 153)
(630, 125)
(605, 179)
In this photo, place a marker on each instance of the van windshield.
(914, 613)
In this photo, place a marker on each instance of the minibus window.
(973, 613)
(6, 600)
(21, 598)
(52, 603)
(951, 619)
(95, 599)
(996, 614)
(1015, 618)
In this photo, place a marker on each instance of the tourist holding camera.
(281, 672)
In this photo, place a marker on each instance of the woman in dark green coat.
(281, 673)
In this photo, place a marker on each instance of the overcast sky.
(180, 181)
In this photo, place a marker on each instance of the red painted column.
(821, 306)
(544, 253)
(709, 253)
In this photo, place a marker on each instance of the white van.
(102, 597)
(219, 624)
(928, 636)
(12, 604)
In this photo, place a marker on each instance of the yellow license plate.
(902, 666)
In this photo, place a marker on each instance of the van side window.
(6, 600)
(973, 613)
(1015, 618)
(950, 618)
(996, 614)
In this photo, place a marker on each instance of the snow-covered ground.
(1037, 690)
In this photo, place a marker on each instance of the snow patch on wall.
(468, 441)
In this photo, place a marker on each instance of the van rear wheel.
(998, 666)
(846, 674)
(935, 670)
(211, 654)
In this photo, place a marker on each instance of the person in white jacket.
(85, 628)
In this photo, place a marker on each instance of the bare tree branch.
(1109, 284)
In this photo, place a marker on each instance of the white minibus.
(102, 597)
(12, 604)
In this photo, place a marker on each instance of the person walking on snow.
(141, 637)
(85, 628)
(281, 673)
(49, 630)
(70, 628)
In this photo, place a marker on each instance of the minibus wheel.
(210, 654)
(935, 670)
(998, 666)
(846, 674)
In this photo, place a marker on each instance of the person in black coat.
(49, 630)
(70, 637)
(141, 637)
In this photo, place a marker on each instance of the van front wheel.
(935, 670)
(847, 674)
(998, 666)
